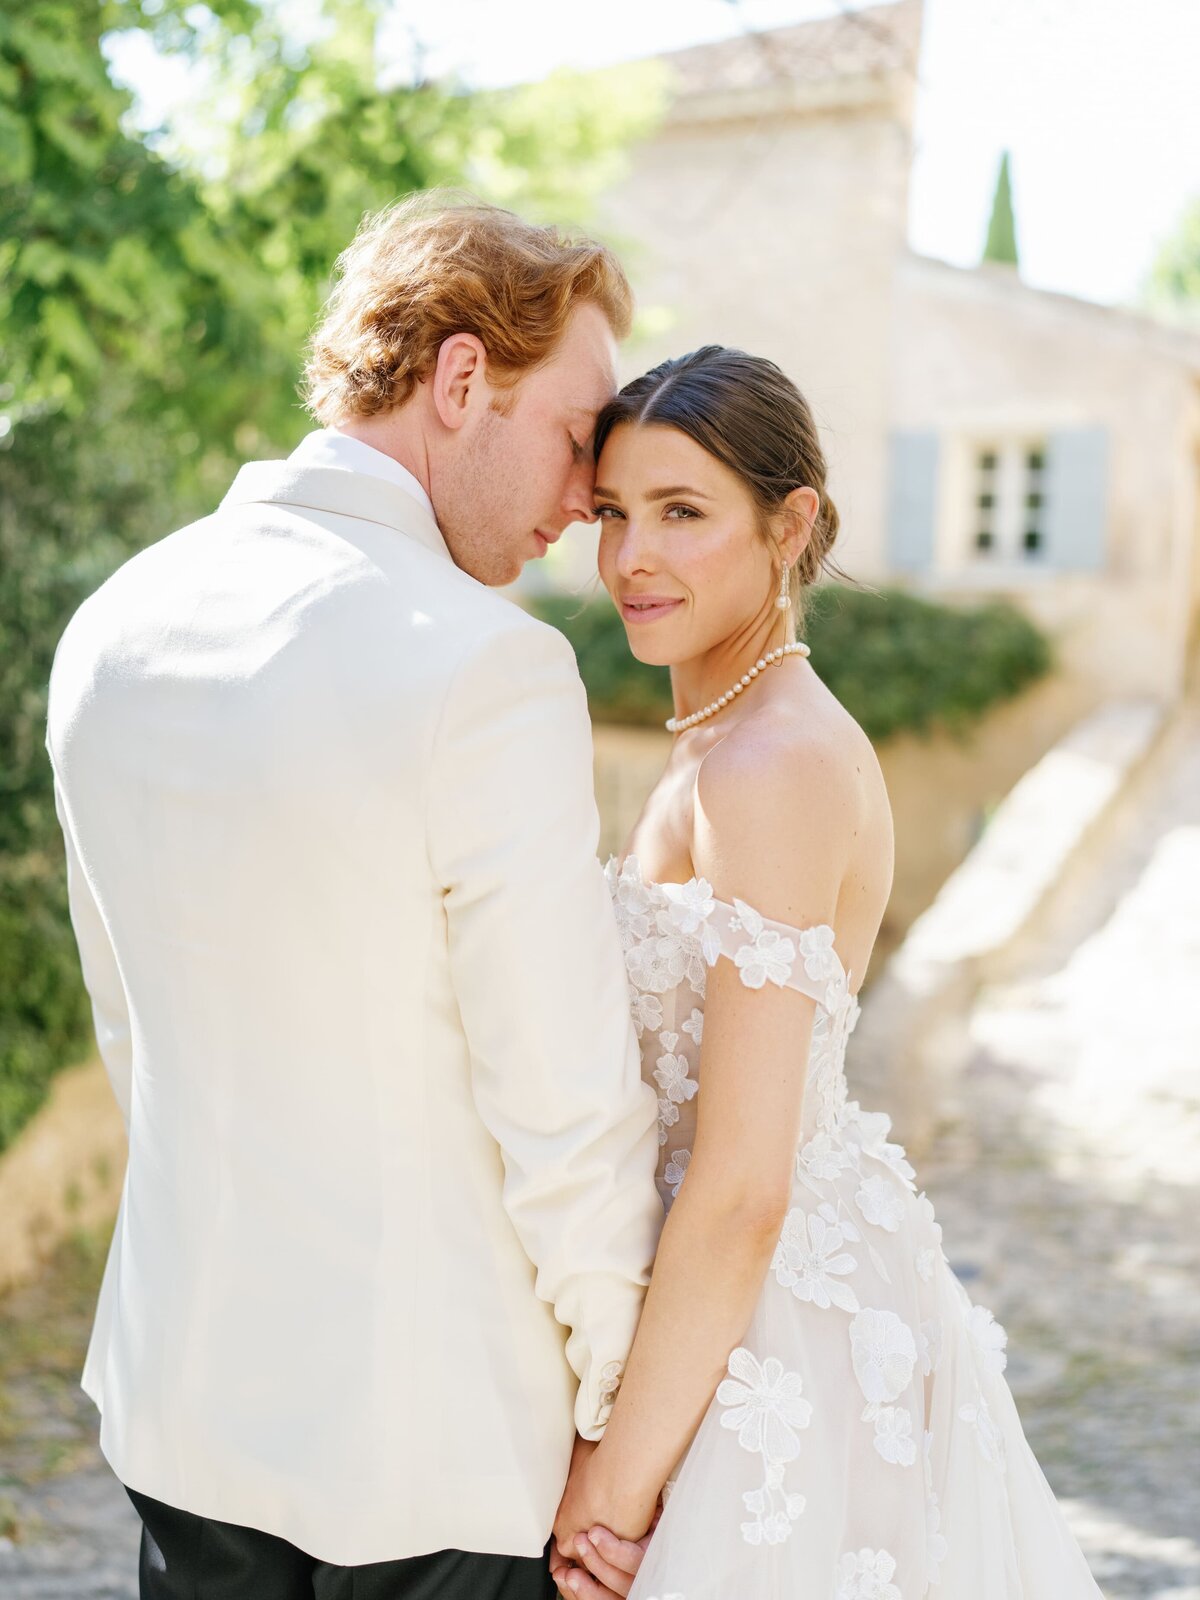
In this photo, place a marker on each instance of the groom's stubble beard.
(480, 507)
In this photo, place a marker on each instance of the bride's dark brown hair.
(747, 413)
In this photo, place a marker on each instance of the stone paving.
(1067, 1179)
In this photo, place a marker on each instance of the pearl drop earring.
(783, 599)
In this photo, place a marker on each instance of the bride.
(825, 1407)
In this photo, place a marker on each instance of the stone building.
(984, 437)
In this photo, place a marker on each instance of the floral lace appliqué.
(689, 906)
(987, 1435)
(879, 1203)
(647, 1011)
(988, 1339)
(631, 902)
(675, 1086)
(866, 1575)
(817, 952)
(822, 1159)
(883, 1353)
(765, 1407)
(827, 1054)
(676, 1170)
(663, 961)
(770, 957)
(894, 1436)
(809, 1260)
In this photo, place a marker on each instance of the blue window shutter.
(912, 500)
(1077, 499)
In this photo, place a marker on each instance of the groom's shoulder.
(493, 633)
(139, 567)
(142, 570)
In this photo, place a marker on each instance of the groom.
(389, 1212)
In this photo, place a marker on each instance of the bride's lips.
(647, 607)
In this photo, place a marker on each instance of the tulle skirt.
(864, 1445)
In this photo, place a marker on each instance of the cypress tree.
(1002, 229)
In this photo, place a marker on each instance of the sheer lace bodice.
(672, 933)
(864, 1444)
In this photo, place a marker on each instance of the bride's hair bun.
(747, 412)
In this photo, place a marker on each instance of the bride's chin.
(643, 650)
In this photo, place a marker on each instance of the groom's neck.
(394, 433)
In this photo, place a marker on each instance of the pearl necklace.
(772, 657)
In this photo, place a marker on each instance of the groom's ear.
(459, 381)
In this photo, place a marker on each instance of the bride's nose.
(635, 552)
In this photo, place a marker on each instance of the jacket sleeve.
(542, 992)
(101, 975)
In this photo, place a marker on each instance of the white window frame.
(1013, 481)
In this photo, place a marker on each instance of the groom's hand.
(606, 1570)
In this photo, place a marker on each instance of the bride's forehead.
(645, 454)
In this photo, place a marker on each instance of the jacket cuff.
(598, 1346)
(596, 1398)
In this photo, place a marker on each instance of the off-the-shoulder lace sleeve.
(763, 951)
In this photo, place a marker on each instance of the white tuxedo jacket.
(390, 1212)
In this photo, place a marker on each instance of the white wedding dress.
(864, 1445)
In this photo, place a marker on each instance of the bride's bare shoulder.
(815, 752)
(777, 781)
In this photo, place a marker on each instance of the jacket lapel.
(339, 493)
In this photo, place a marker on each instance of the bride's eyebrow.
(678, 488)
(654, 494)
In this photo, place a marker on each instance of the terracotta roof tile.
(863, 43)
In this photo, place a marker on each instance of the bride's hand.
(606, 1570)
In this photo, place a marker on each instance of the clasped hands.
(596, 1552)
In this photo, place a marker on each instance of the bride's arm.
(772, 827)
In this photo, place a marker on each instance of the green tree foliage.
(1173, 288)
(1002, 227)
(897, 662)
(102, 319)
(155, 295)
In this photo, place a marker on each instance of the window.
(985, 502)
(1032, 539)
(1008, 502)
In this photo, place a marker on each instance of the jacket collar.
(338, 492)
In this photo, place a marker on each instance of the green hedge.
(45, 1021)
(896, 662)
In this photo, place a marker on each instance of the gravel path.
(1067, 1181)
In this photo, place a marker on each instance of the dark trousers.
(186, 1557)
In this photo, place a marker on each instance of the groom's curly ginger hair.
(439, 264)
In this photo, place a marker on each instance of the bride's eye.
(685, 513)
(605, 513)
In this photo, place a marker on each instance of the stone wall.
(977, 353)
